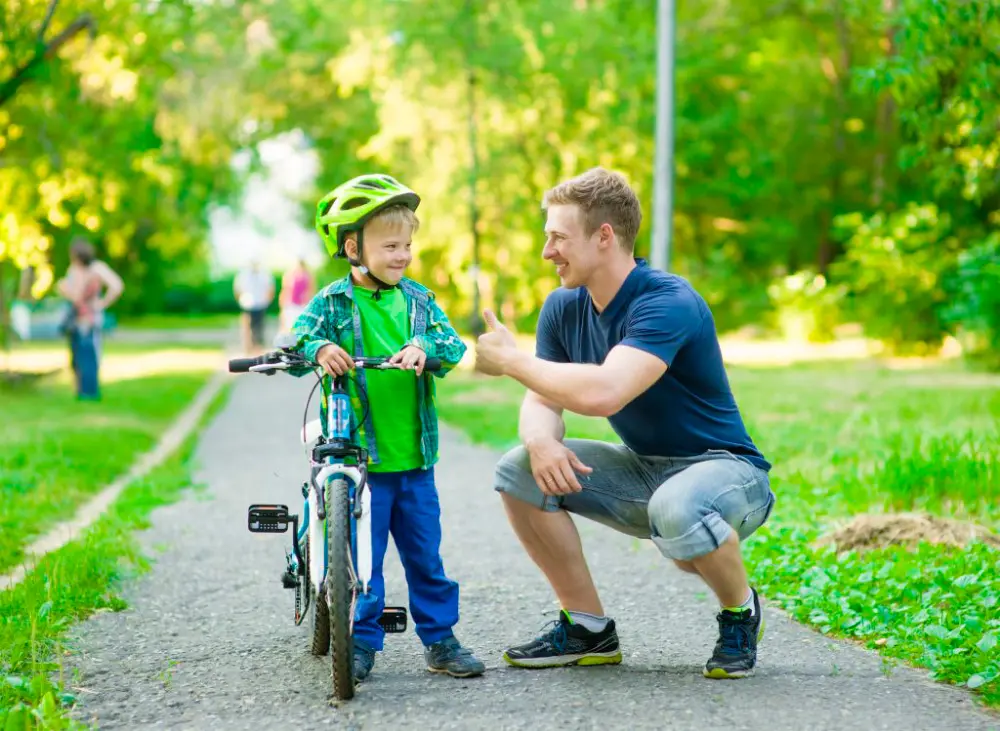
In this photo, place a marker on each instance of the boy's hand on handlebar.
(334, 359)
(410, 357)
(554, 467)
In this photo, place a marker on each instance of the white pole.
(663, 214)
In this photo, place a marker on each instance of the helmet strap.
(365, 271)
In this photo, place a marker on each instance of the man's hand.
(411, 357)
(334, 359)
(554, 466)
(494, 348)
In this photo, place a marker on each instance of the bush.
(895, 266)
(975, 308)
(208, 297)
(805, 306)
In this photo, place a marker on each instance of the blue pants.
(406, 505)
(84, 358)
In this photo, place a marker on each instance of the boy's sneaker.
(448, 656)
(735, 653)
(364, 661)
(567, 643)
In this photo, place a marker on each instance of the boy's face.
(386, 251)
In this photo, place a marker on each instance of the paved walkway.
(209, 643)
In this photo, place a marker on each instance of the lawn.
(850, 438)
(56, 452)
(69, 585)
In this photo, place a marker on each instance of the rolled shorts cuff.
(512, 480)
(701, 539)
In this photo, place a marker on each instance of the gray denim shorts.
(688, 506)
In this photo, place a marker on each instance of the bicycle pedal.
(393, 619)
(267, 518)
(289, 580)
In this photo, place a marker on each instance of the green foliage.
(935, 607)
(895, 265)
(804, 131)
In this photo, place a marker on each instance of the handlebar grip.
(432, 364)
(243, 365)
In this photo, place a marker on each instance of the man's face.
(567, 245)
(387, 251)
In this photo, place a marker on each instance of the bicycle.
(337, 511)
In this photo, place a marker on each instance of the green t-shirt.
(392, 394)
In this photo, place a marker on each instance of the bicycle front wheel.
(340, 586)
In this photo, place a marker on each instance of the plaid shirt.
(332, 317)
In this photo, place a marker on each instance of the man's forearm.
(576, 387)
(539, 421)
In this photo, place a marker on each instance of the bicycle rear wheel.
(340, 586)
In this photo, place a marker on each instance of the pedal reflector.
(267, 518)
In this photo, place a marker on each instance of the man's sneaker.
(448, 656)
(364, 660)
(567, 643)
(735, 653)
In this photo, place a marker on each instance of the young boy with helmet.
(375, 310)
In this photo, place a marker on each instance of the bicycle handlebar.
(280, 360)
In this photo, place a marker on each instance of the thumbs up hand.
(494, 348)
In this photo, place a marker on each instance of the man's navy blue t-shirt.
(691, 408)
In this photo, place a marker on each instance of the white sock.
(747, 604)
(590, 622)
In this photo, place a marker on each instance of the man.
(254, 291)
(639, 347)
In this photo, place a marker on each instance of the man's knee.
(684, 529)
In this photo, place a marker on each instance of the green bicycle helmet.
(349, 206)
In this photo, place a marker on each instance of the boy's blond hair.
(603, 196)
(395, 218)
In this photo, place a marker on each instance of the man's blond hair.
(603, 196)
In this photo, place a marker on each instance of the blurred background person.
(297, 288)
(254, 290)
(90, 286)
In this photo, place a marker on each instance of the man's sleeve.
(663, 323)
(548, 332)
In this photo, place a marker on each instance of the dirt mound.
(869, 531)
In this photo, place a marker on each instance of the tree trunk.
(4, 309)
(886, 112)
(838, 77)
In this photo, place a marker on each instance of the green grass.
(180, 322)
(849, 438)
(71, 584)
(56, 452)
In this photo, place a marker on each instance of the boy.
(375, 311)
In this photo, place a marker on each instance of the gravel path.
(209, 643)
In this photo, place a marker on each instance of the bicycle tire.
(320, 615)
(339, 589)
